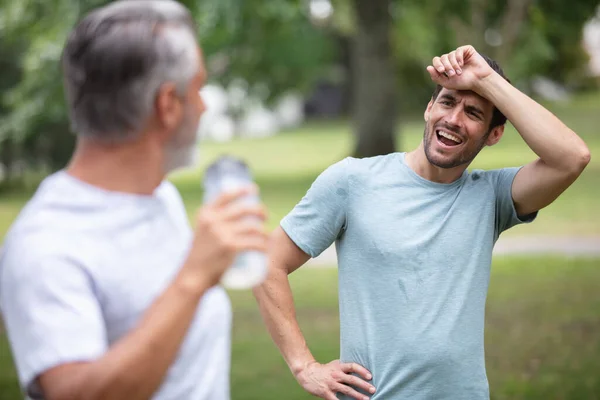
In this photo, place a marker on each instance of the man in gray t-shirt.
(414, 234)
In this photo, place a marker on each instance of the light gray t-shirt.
(414, 264)
(81, 265)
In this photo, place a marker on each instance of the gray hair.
(116, 59)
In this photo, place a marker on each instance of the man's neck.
(418, 162)
(135, 167)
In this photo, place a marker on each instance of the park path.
(573, 246)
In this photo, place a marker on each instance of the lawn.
(543, 318)
(542, 342)
(285, 165)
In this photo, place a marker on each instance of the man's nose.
(455, 117)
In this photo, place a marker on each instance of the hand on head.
(461, 69)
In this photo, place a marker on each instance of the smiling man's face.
(457, 127)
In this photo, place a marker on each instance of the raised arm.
(276, 304)
(562, 154)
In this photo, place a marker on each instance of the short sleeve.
(50, 312)
(506, 213)
(320, 216)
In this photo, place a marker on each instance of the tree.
(375, 107)
(277, 45)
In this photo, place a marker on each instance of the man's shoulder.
(374, 165)
(51, 223)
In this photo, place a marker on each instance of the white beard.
(182, 152)
(184, 157)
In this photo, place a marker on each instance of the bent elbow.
(578, 161)
(583, 159)
(586, 156)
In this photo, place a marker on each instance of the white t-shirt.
(79, 268)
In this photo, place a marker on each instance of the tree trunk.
(511, 25)
(7, 159)
(374, 94)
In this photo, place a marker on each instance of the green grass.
(542, 342)
(543, 314)
(286, 165)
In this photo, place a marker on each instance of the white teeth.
(449, 136)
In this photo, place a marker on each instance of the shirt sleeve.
(506, 213)
(320, 217)
(50, 312)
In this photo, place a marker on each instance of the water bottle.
(228, 173)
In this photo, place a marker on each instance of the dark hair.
(497, 117)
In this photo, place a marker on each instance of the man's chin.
(183, 158)
(445, 162)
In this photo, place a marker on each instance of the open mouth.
(447, 138)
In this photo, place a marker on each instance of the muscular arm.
(562, 154)
(276, 302)
(135, 366)
(314, 224)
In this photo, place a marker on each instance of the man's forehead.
(468, 95)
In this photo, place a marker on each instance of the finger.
(447, 65)
(357, 369)
(466, 52)
(460, 56)
(348, 391)
(437, 64)
(454, 62)
(248, 228)
(435, 76)
(357, 382)
(234, 195)
(240, 211)
(330, 396)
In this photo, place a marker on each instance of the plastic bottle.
(225, 174)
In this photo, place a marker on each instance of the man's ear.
(495, 135)
(428, 110)
(168, 107)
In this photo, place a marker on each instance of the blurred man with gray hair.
(105, 291)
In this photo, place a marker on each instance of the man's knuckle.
(331, 383)
(345, 389)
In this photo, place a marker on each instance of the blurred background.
(296, 85)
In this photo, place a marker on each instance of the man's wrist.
(192, 283)
(486, 87)
(300, 365)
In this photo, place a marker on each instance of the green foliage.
(275, 47)
(538, 38)
(271, 45)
